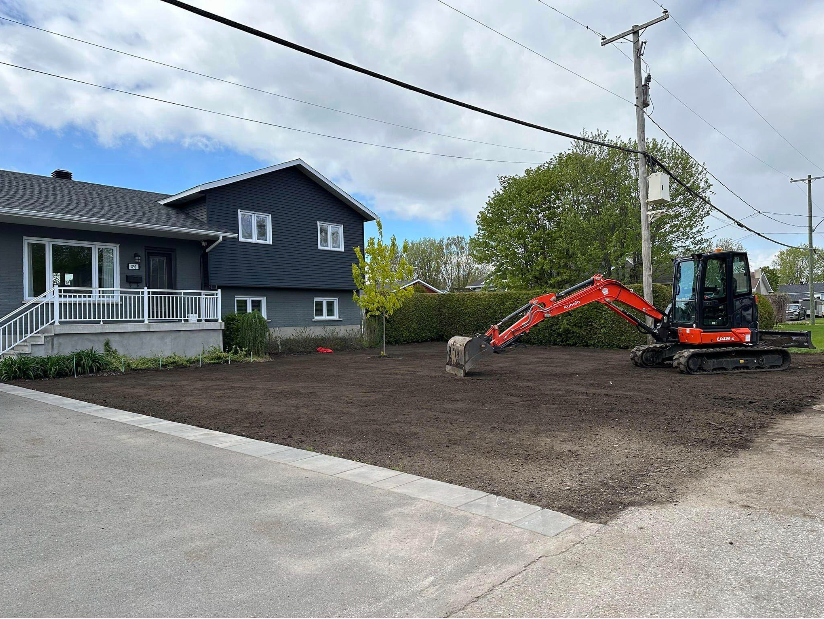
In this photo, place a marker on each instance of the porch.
(138, 322)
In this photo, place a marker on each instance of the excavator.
(710, 326)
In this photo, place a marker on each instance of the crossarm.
(594, 290)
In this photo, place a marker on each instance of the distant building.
(477, 285)
(760, 283)
(421, 286)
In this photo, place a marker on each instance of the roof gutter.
(215, 244)
(113, 223)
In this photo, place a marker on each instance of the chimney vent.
(64, 174)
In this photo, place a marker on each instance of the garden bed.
(581, 431)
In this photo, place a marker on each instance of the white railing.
(25, 321)
(101, 305)
(135, 305)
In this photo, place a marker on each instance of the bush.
(766, 313)
(230, 330)
(437, 317)
(252, 333)
(305, 341)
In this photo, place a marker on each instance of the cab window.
(685, 289)
(715, 292)
(741, 275)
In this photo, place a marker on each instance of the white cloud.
(771, 52)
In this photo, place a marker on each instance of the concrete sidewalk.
(98, 517)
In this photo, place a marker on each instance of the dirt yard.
(581, 431)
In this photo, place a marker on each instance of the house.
(421, 286)
(759, 282)
(477, 285)
(154, 273)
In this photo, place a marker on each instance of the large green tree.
(791, 266)
(446, 263)
(579, 213)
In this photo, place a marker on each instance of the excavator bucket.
(463, 354)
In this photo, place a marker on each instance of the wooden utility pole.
(641, 101)
(809, 180)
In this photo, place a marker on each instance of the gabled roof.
(412, 282)
(803, 289)
(31, 198)
(194, 192)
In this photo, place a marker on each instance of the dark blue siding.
(187, 257)
(295, 308)
(293, 260)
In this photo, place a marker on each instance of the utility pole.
(809, 180)
(641, 101)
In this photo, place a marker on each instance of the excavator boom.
(463, 353)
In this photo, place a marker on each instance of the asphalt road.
(101, 518)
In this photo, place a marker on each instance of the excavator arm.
(463, 352)
(597, 289)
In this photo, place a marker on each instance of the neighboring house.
(759, 282)
(81, 262)
(797, 291)
(421, 286)
(478, 284)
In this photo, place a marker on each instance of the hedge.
(437, 317)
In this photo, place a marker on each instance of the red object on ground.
(322, 349)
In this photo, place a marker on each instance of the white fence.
(101, 305)
(135, 305)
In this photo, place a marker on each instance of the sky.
(769, 50)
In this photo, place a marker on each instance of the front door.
(160, 269)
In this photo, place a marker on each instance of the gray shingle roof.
(801, 288)
(75, 199)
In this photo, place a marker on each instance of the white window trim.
(49, 271)
(325, 317)
(342, 244)
(249, 303)
(254, 238)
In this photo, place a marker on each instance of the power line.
(385, 78)
(353, 67)
(740, 94)
(529, 49)
(718, 180)
(273, 94)
(263, 122)
(677, 98)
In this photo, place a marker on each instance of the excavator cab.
(713, 292)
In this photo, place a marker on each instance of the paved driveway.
(98, 517)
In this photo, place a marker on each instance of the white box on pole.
(658, 188)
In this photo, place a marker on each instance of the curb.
(523, 515)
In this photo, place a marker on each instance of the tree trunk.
(383, 352)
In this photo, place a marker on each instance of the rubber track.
(636, 355)
(681, 359)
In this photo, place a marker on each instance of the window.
(254, 227)
(715, 293)
(75, 264)
(741, 274)
(246, 305)
(685, 285)
(330, 236)
(326, 309)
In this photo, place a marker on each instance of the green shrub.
(766, 313)
(55, 366)
(252, 333)
(231, 329)
(437, 317)
(89, 361)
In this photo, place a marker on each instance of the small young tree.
(378, 275)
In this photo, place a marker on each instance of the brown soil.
(581, 431)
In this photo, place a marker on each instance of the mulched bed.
(581, 431)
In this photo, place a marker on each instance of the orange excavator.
(710, 326)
